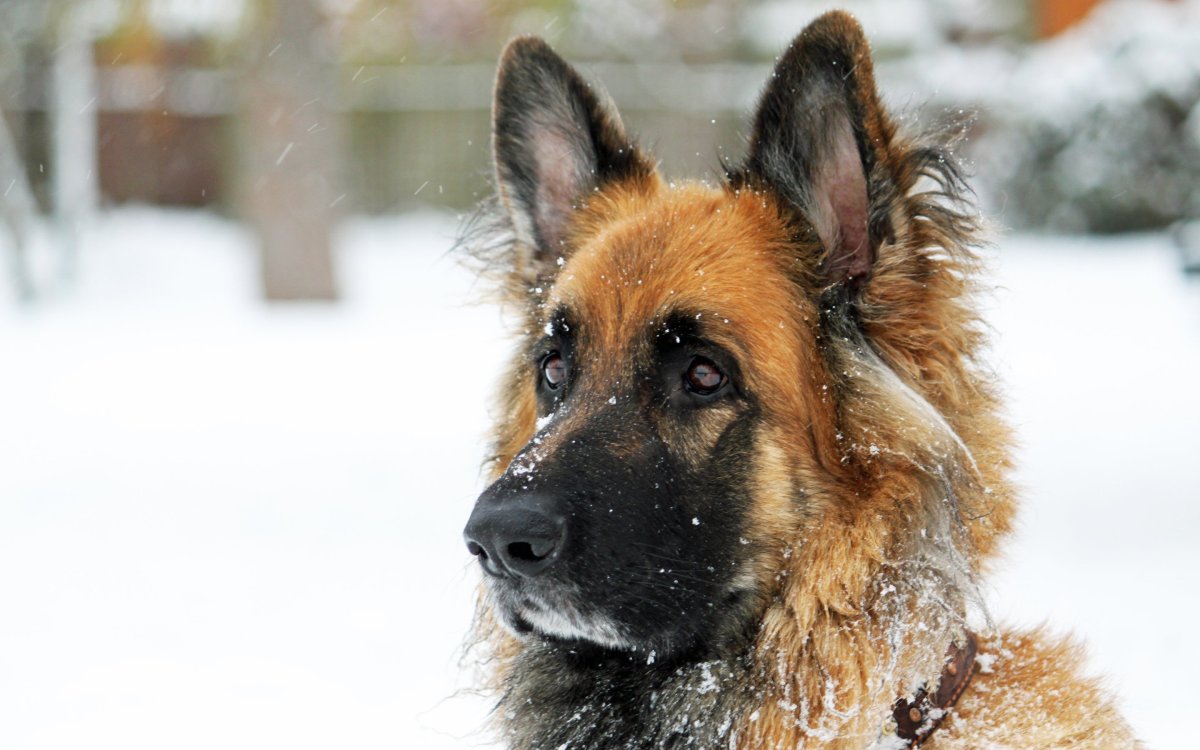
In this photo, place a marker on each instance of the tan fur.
(846, 626)
(699, 248)
(1031, 693)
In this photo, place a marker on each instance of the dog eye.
(554, 370)
(703, 377)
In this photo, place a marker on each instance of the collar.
(916, 719)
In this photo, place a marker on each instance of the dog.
(749, 466)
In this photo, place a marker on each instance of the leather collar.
(917, 719)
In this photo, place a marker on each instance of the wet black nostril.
(533, 551)
(520, 537)
(523, 551)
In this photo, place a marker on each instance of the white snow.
(229, 525)
(224, 525)
(1100, 344)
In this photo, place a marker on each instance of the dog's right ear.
(555, 141)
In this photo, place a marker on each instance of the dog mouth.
(559, 618)
(529, 616)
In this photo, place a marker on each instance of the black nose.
(520, 537)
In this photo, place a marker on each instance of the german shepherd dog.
(749, 468)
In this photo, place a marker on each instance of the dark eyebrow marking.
(559, 322)
(682, 325)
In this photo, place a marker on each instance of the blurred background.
(244, 388)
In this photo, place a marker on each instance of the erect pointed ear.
(554, 141)
(821, 141)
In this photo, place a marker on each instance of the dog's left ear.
(821, 140)
(555, 141)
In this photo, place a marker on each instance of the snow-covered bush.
(1095, 130)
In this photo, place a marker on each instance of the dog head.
(722, 396)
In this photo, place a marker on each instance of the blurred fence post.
(289, 150)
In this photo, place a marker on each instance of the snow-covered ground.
(229, 525)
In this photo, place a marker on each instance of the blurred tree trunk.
(290, 149)
(17, 210)
(73, 105)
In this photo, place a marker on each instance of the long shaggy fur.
(879, 475)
